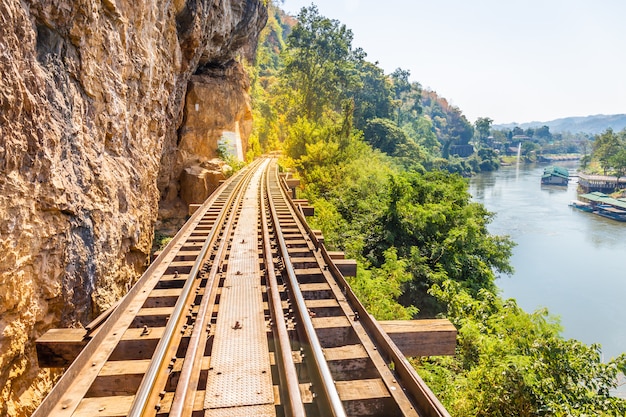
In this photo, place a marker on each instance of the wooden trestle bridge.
(244, 313)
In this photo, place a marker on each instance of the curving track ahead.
(243, 314)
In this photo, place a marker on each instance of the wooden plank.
(361, 389)
(57, 348)
(300, 251)
(119, 378)
(350, 362)
(198, 402)
(330, 322)
(428, 337)
(347, 267)
(305, 262)
(308, 211)
(193, 208)
(309, 275)
(334, 255)
(104, 406)
(369, 397)
(156, 311)
(345, 352)
(324, 303)
(137, 344)
(292, 182)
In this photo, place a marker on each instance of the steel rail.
(294, 406)
(330, 393)
(146, 387)
(428, 404)
(182, 403)
(51, 404)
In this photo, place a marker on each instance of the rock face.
(92, 98)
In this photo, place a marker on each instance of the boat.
(611, 213)
(554, 175)
(581, 205)
(602, 205)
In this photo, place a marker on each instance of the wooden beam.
(193, 208)
(336, 255)
(308, 211)
(428, 337)
(57, 348)
(347, 267)
(318, 235)
(292, 182)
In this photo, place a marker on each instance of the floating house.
(555, 176)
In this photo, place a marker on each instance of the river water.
(572, 262)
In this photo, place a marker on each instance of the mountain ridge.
(592, 124)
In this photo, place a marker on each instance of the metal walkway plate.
(239, 381)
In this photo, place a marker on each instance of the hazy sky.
(510, 60)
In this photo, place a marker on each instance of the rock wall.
(92, 97)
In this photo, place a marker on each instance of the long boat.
(581, 205)
(611, 212)
(602, 205)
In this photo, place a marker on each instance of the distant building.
(462, 150)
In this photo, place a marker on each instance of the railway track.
(244, 313)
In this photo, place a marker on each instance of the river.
(571, 262)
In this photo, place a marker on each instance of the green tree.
(543, 133)
(605, 146)
(407, 96)
(373, 96)
(512, 363)
(385, 135)
(483, 127)
(618, 162)
(380, 288)
(319, 64)
(431, 221)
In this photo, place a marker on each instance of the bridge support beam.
(58, 348)
(427, 337)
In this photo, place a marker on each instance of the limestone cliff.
(92, 100)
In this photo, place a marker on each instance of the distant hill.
(587, 124)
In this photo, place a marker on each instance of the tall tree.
(374, 96)
(407, 96)
(319, 63)
(483, 127)
(605, 147)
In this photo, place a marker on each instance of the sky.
(509, 60)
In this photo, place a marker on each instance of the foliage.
(515, 363)
(160, 241)
(449, 123)
(606, 146)
(372, 151)
(432, 223)
(374, 96)
(379, 287)
(319, 64)
(408, 96)
(483, 127)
